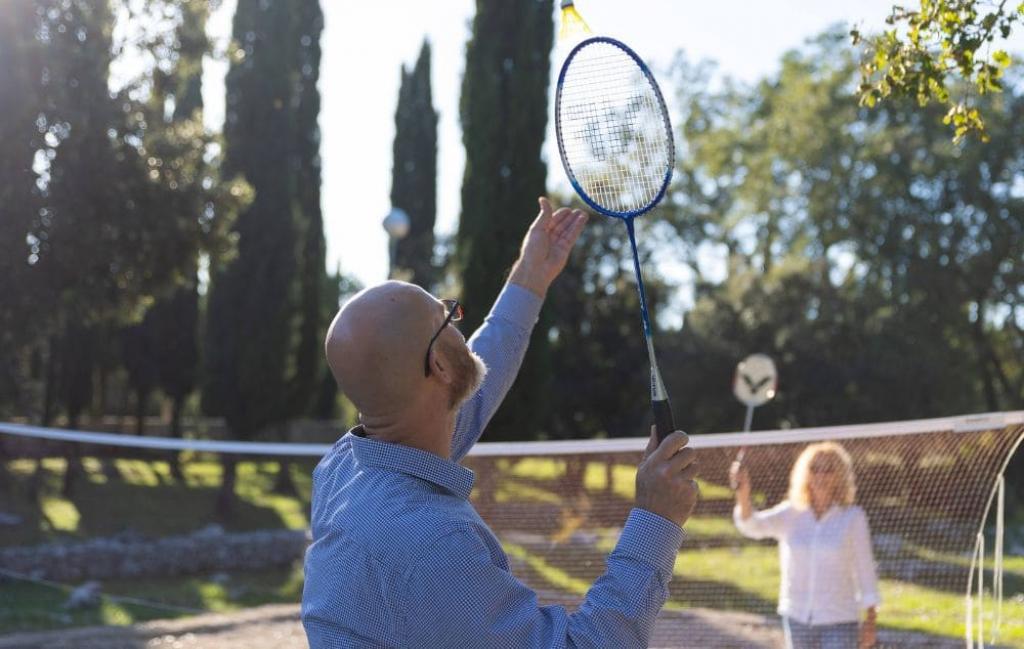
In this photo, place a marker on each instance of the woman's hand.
(868, 632)
(739, 480)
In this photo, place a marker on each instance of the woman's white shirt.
(828, 570)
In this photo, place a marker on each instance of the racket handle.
(664, 424)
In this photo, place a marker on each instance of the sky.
(366, 43)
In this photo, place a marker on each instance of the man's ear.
(440, 367)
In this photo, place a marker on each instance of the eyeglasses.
(455, 312)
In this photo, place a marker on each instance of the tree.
(503, 110)
(125, 201)
(597, 343)
(414, 173)
(20, 104)
(941, 52)
(176, 317)
(264, 309)
(305, 162)
(162, 350)
(875, 260)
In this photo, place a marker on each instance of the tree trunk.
(988, 381)
(176, 465)
(226, 497)
(74, 464)
(284, 484)
(50, 389)
(142, 397)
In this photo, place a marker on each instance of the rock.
(85, 596)
(220, 578)
(210, 530)
(888, 545)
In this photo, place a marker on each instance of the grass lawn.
(28, 607)
(145, 499)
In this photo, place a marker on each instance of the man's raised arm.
(502, 339)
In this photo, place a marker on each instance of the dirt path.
(265, 627)
(278, 627)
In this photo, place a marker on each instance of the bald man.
(399, 556)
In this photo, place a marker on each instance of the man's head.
(376, 347)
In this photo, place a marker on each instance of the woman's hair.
(799, 480)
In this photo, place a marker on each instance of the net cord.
(121, 599)
(964, 423)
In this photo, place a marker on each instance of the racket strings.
(615, 134)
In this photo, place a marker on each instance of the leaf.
(1001, 58)
(881, 58)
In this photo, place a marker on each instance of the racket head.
(613, 128)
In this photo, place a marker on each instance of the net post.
(997, 574)
(981, 590)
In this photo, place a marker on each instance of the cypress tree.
(250, 317)
(266, 315)
(20, 76)
(305, 160)
(414, 172)
(504, 113)
(177, 316)
(307, 26)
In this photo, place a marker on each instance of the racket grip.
(664, 424)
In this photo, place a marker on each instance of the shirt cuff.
(517, 305)
(867, 600)
(652, 539)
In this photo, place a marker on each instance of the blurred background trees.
(145, 258)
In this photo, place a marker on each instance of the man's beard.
(469, 372)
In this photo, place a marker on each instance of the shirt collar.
(437, 470)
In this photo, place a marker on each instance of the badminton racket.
(615, 141)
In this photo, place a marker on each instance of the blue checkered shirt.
(401, 559)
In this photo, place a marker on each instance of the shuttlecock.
(573, 26)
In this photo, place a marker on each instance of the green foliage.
(940, 52)
(315, 315)
(598, 353)
(877, 262)
(504, 116)
(414, 173)
(20, 101)
(263, 316)
(106, 204)
(163, 349)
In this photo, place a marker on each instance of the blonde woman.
(828, 571)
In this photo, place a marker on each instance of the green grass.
(144, 498)
(37, 607)
(906, 606)
(699, 528)
(595, 476)
(747, 579)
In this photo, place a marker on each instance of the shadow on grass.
(143, 500)
(35, 607)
